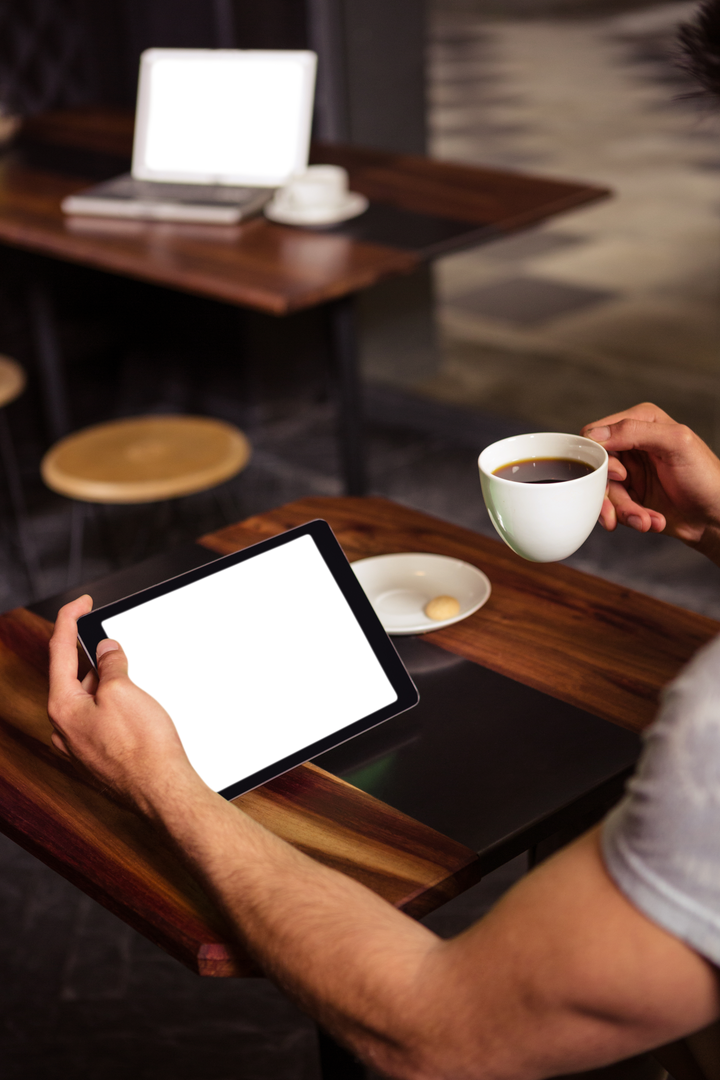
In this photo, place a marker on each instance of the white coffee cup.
(544, 522)
(320, 187)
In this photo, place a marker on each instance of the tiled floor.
(528, 301)
(587, 314)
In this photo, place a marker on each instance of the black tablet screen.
(254, 662)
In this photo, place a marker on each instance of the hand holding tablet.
(263, 659)
(116, 731)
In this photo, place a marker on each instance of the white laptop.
(216, 132)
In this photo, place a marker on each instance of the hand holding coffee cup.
(318, 196)
(544, 492)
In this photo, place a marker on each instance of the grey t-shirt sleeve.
(661, 844)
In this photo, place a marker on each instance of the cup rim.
(330, 196)
(484, 471)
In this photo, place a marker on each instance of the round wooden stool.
(12, 384)
(141, 460)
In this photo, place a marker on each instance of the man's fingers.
(608, 517)
(616, 469)
(646, 411)
(90, 682)
(107, 645)
(63, 647)
(669, 440)
(112, 659)
(627, 510)
(630, 512)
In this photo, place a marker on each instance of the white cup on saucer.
(320, 187)
(318, 196)
(544, 522)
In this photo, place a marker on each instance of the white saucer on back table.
(319, 196)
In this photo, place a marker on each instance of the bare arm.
(563, 975)
(663, 477)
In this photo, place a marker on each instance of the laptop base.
(127, 197)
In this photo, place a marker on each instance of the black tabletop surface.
(486, 760)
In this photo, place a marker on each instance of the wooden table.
(595, 645)
(419, 209)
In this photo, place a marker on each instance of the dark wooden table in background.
(419, 209)
(597, 646)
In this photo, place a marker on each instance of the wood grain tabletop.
(257, 264)
(585, 640)
(472, 193)
(597, 645)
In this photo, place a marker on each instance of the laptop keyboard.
(126, 187)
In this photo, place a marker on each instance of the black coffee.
(543, 470)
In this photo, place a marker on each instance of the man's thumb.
(111, 660)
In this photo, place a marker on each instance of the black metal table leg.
(78, 511)
(343, 339)
(337, 1063)
(28, 552)
(47, 347)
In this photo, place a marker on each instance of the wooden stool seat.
(12, 380)
(145, 459)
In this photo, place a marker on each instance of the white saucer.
(354, 204)
(399, 587)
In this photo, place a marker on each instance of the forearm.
(344, 954)
(536, 989)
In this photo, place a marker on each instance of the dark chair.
(44, 55)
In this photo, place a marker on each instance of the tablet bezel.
(303, 59)
(91, 632)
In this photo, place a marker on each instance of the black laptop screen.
(217, 116)
(256, 661)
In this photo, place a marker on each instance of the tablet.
(263, 658)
